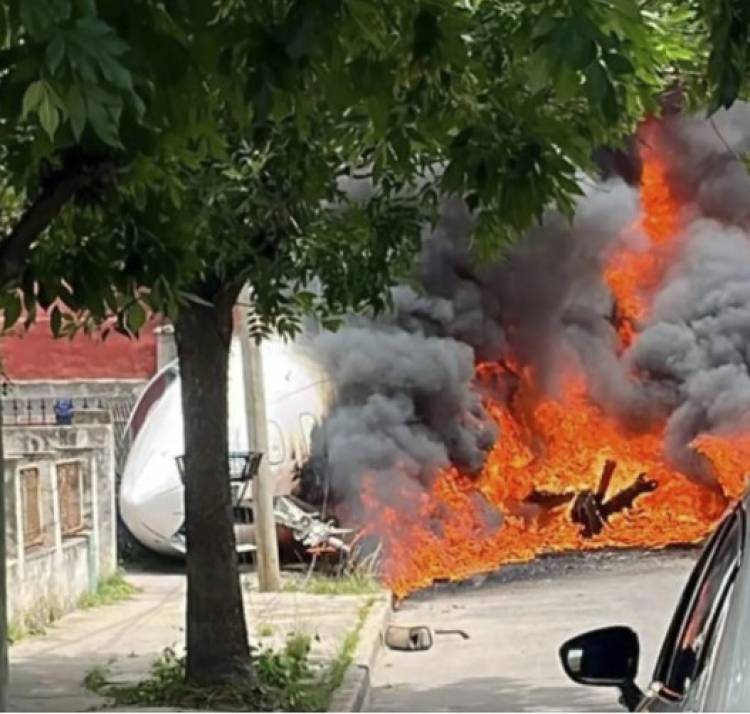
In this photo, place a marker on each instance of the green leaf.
(39, 16)
(538, 71)
(77, 110)
(331, 323)
(55, 321)
(567, 82)
(136, 317)
(619, 64)
(597, 83)
(306, 299)
(426, 33)
(115, 73)
(103, 123)
(11, 311)
(32, 97)
(577, 50)
(93, 26)
(55, 52)
(49, 116)
(611, 106)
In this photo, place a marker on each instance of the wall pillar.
(3, 585)
(166, 346)
(94, 536)
(56, 522)
(20, 545)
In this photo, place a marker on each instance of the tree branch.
(59, 188)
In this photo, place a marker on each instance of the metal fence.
(41, 411)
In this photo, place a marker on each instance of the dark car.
(704, 664)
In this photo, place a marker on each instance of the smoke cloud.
(407, 404)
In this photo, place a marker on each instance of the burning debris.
(589, 507)
(307, 527)
(490, 417)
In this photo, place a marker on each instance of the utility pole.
(266, 542)
(3, 586)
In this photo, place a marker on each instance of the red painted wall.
(36, 355)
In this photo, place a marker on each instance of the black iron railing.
(51, 410)
(243, 465)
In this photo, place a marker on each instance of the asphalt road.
(516, 621)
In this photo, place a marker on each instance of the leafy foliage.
(350, 584)
(109, 590)
(729, 62)
(158, 154)
(232, 128)
(283, 680)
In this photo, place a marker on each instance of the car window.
(699, 687)
(684, 603)
(687, 645)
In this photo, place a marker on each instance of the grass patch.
(283, 680)
(280, 681)
(337, 668)
(108, 591)
(96, 678)
(265, 630)
(27, 627)
(348, 584)
(33, 623)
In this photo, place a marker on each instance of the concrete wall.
(48, 578)
(91, 389)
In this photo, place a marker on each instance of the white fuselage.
(151, 490)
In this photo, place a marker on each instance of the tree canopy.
(157, 155)
(140, 112)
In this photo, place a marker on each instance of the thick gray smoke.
(696, 347)
(405, 408)
(406, 402)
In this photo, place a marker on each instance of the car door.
(684, 666)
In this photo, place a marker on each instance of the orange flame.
(559, 445)
(730, 457)
(576, 439)
(633, 275)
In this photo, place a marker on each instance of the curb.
(354, 693)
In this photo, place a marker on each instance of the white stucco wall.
(48, 579)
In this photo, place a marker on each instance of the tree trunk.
(217, 643)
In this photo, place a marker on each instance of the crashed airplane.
(151, 493)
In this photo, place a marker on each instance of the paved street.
(516, 622)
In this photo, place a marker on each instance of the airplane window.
(308, 423)
(275, 443)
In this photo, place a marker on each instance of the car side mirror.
(605, 658)
(410, 639)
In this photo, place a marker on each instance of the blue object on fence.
(64, 411)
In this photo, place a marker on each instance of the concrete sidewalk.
(47, 673)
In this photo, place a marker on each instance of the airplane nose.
(152, 501)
